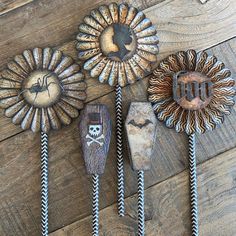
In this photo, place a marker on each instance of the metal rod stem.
(44, 184)
(119, 150)
(193, 185)
(141, 215)
(95, 179)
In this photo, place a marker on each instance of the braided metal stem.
(44, 184)
(119, 151)
(141, 216)
(193, 185)
(95, 178)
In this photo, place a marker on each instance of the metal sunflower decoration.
(118, 44)
(192, 92)
(41, 90)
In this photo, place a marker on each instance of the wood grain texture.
(140, 126)
(207, 25)
(95, 134)
(69, 184)
(166, 208)
(182, 25)
(10, 5)
(47, 23)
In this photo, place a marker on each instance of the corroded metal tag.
(191, 90)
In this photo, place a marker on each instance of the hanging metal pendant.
(42, 89)
(191, 91)
(118, 44)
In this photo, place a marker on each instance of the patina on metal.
(42, 89)
(192, 92)
(95, 132)
(118, 45)
(140, 128)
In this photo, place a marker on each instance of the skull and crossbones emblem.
(95, 130)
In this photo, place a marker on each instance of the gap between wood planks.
(10, 5)
(168, 214)
(62, 216)
(173, 29)
(109, 90)
(7, 6)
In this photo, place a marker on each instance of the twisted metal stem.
(141, 216)
(44, 184)
(95, 179)
(193, 185)
(119, 151)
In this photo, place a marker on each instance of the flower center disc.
(192, 90)
(41, 88)
(118, 42)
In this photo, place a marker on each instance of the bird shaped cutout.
(140, 128)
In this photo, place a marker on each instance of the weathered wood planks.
(69, 186)
(95, 135)
(167, 210)
(10, 5)
(187, 25)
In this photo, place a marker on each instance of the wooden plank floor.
(182, 24)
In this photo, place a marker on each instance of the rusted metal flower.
(191, 91)
(42, 89)
(118, 44)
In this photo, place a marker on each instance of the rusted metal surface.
(42, 89)
(191, 91)
(118, 44)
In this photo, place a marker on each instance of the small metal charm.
(42, 89)
(141, 131)
(192, 92)
(95, 132)
(118, 44)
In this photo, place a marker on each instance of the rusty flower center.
(118, 42)
(192, 90)
(41, 88)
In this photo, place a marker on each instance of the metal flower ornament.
(192, 92)
(41, 90)
(118, 44)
